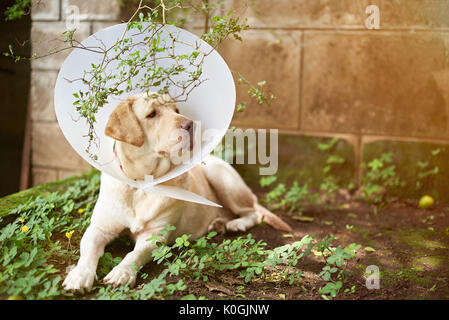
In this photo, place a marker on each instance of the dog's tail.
(263, 214)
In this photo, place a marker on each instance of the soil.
(411, 250)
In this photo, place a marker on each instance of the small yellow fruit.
(426, 202)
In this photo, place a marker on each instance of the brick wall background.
(331, 75)
(52, 156)
(335, 77)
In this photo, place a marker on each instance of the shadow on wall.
(14, 92)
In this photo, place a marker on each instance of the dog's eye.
(152, 114)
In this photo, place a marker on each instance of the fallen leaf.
(219, 288)
(231, 280)
(303, 218)
(288, 235)
(369, 249)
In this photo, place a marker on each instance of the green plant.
(106, 263)
(330, 183)
(335, 259)
(298, 195)
(427, 169)
(17, 10)
(288, 256)
(380, 179)
(274, 198)
(257, 92)
(203, 259)
(30, 243)
(292, 199)
(327, 146)
(267, 181)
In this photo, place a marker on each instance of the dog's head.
(151, 132)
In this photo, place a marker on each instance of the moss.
(366, 236)
(10, 202)
(423, 263)
(417, 266)
(416, 277)
(419, 239)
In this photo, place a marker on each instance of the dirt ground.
(411, 250)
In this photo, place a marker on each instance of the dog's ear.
(123, 124)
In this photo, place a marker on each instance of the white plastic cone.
(212, 103)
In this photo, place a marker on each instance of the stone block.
(420, 14)
(383, 83)
(98, 26)
(47, 38)
(42, 95)
(51, 149)
(45, 10)
(93, 10)
(274, 57)
(43, 175)
(64, 174)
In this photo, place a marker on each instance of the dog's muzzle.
(188, 126)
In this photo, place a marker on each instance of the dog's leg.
(125, 272)
(82, 277)
(234, 194)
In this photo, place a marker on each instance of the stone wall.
(332, 75)
(52, 156)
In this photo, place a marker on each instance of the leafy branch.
(127, 58)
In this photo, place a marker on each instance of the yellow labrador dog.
(142, 127)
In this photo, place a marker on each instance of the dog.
(142, 127)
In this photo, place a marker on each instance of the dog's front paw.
(80, 279)
(120, 275)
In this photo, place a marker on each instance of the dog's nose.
(187, 125)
